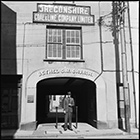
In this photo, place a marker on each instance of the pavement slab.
(84, 130)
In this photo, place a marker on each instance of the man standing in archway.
(68, 104)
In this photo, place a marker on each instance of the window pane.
(68, 36)
(49, 35)
(77, 51)
(73, 36)
(50, 38)
(54, 50)
(68, 40)
(72, 40)
(54, 32)
(72, 33)
(59, 50)
(59, 35)
(54, 39)
(68, 33)
(50, 31)
(68, 51)
(59, 39)
(50, 50)
(59, 32)
(55, 36)
(73, 52)
(77, 37)
(77, 40)
(77, 34)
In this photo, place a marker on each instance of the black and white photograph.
(69, 69)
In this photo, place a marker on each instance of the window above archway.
(63, 43)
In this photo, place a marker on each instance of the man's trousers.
(68, 116)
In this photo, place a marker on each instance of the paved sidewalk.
(84, 130)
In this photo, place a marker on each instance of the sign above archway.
(65, 71)
(45, 73)
(63, 14)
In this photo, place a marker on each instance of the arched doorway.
(51, 91)
(39, 78)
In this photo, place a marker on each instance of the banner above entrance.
(64, 14)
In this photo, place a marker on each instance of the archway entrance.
(50, 93)
(87, 87)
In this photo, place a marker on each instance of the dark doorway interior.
(10, 104)
(83, 92)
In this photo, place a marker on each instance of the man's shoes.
(65, 129)
(71, 129)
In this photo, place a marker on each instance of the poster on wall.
(30, 99)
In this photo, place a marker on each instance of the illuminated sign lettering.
(65, 14)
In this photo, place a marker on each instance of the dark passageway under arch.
(83, 92)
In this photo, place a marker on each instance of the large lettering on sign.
(68, 14)
(60, 72)
(81, 72)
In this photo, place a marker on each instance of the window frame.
(51, 43)
(64, 43)
(71, 44)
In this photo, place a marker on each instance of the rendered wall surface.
(31, 47)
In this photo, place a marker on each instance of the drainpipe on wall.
(100, 33)
(20, 96)
(131, 47)
(24, 29)
(19, 101)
